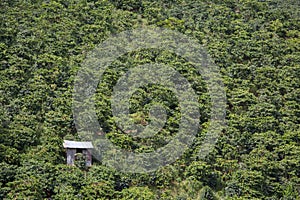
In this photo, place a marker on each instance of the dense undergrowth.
(255, 43)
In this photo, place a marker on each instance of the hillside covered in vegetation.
(255, 44)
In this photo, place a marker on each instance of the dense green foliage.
(256, 44)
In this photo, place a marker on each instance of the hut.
(73, 146)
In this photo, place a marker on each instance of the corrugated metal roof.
(77, 145)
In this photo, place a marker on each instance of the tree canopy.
(256, 45)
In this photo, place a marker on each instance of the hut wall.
(71, 156)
